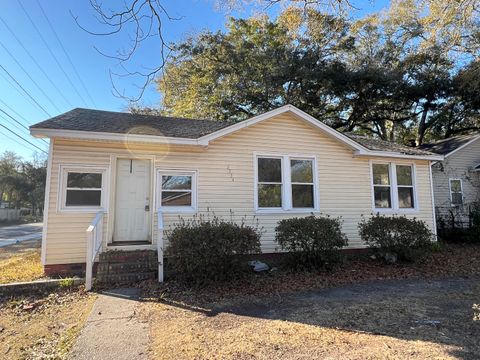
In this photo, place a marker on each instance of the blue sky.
(38, 72)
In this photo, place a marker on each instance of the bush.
(474, 231)
(201, 250)
(394, 237)
(312, 242)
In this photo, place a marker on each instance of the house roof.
(382, 145)
(127, 123)
(107, 125)
(448, 146)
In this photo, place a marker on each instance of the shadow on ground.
(439, 311)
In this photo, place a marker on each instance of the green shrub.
(394, 237)
(312, 242)
(203, 250)
(474, 231)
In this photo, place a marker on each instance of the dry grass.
(385, 326)
(42, 327)
(24, 266)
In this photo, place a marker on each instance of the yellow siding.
(226, 180)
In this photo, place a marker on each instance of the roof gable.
(114, 126)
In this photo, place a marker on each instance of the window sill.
(396, 211)
(289, 211)
(83, 210)
(177, 210)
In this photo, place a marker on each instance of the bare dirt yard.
(20, 262)
(43, 326)
(363, 310)
(411, 319)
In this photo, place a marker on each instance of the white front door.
(132, 201)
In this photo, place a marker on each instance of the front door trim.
(112, 195)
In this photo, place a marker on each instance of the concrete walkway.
(113, 331)
(17, 233)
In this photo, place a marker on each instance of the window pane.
(177, 182)
(269, 195)
(457, 198)
(302, 196)
(404, 175)
(405, 198)
(84, 180)
(381, 174)
(455, 186)
(269, 170)
(83, 198)
(382, 197)
(176, 198)
(302, 171)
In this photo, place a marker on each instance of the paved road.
(14, 234)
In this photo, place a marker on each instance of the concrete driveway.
(14, 234)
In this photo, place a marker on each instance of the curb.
(38, 286)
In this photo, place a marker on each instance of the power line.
(51, 52)
(21, 137)
(26, 73)
(36, 63)
(66, 54)
(16, 141)
(13, 86)
(18, 122)
(25, 91)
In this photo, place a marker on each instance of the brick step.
(125, 278)
(126, 267)
(121, 256)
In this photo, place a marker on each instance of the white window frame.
(450, 190)
(395, 207)
(286, 184)
(62, 191)
(176, 209)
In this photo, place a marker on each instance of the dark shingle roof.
(382, 145)
(446, 146)
(128, 123)
(123, 123)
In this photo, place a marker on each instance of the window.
(302, 183)
(393, 186)
(82, 188)
(269, 183)
(405, 187)
(381, 185)
(456, 191)
(176, 191)
(285, 183)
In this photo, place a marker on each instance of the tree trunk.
(422, 125)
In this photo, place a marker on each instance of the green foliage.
(396, 236)
(474, 231)
(202, 250)
(22, 183)
(312, 242)
(376, 75)
(66, 283)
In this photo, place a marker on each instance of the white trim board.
(359, 150)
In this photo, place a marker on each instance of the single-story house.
(456, 179)
(126, 177)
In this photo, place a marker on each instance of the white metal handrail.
(160, 228)
(94, 246)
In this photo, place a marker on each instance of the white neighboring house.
(456, 179)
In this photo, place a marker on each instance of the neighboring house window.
(177, 191)
(456, 191)
(285, 183)
(393, 186)
(82, 188)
